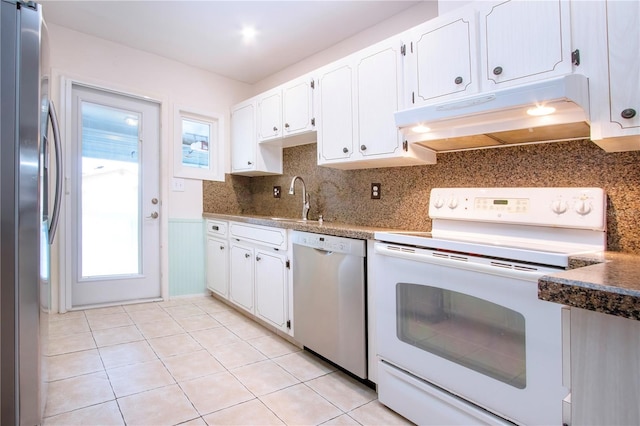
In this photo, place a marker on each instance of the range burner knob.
(559, 206)
(583, 207)
(453, 203)
(438, 202)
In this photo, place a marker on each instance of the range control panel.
(583, 208)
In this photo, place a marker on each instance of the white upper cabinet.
(243, 140)
(608, 34)
(270, 115)
(378, 91)
(335, 104)
(441, 59)
(247, 157)
(623, 48)
(297, 106)
(485, 46)
(285, 114)
(523, 41)
(355, 101)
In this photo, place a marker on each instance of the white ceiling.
(206, 34)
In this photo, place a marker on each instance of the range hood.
(500, 118)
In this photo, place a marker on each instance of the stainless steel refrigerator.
(26, 226)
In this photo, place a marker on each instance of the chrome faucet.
(305, 196)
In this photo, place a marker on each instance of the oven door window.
(467, 330)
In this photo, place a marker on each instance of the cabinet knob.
(628, 113)
(247, 255)
(345, 150)
(275, 129)
(258, 258)
(363, 147)
(458, 80)
(249, 163)
(286, 125)
(497, 70)
(221, 247)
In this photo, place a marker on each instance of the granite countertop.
(328, 228)
(611, 286)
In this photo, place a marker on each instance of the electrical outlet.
(277, 191)
(375, 191)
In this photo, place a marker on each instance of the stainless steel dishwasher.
(329, 298)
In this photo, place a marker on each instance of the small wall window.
(199, 145)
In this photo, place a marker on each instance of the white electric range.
(461, 335)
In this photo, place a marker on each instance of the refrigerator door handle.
(55, 215)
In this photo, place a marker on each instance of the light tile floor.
(193, 361)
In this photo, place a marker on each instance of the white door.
(218, 266)
(271, 272)
(114, 186)
(243, 137)
(270, 116)
(241, 276)
(378, 97)
(335, 109)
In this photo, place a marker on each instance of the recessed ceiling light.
(248, 34)
(541, 110)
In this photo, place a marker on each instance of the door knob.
(154, 201)
(154, 215)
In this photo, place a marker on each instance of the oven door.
(472, 326)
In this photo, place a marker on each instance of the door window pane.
(472, 332)
(110, 200)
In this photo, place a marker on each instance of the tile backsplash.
(344, 195)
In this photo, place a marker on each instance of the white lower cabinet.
(218, 266)
(217, 257)
(271, 287)
(605, 360)
(242, 276)
(250, 269)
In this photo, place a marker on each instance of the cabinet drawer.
(263, 235)
(216, 227)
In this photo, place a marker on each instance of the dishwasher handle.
(323, 252)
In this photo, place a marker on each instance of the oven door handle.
(494, 267)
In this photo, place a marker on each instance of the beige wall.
(97, 61)
(343, 195)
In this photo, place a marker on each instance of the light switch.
(177, 184)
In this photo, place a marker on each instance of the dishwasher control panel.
(329, 243)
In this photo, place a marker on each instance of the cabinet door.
(297, 107)
(525, 41)
(269, 108)
(336, 126)
(443, 60)
(241, 276)
(218, 267)
(243, 137)
(271, 288)
(378, 91)
(623, 25)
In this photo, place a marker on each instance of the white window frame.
(215, 171)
